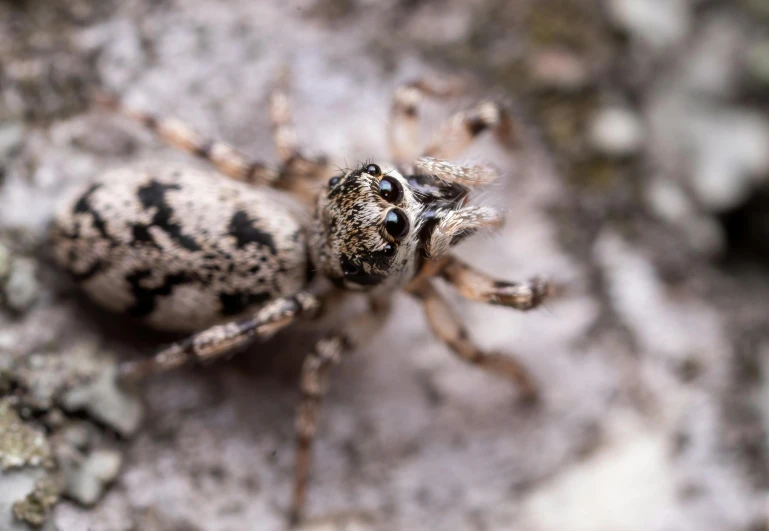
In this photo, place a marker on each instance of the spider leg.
(449, 329)
(223, 156)
(403, 131)
(281, 119)
(314, 384)
(299, 172)
(462, 128)
(223, 339)
(466, 175)
(477, 286)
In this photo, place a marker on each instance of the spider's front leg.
(403, 129)
(299, 172)
(456, 134)
(459, 131)
(449, 328)
(313, 386)
(225, 158)
(477, 286)
(223, 339)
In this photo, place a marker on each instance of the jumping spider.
(182, 250)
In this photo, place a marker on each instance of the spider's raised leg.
(466, 175)
(403, 129)
(448, 327)
(299, 172)
(223, 156)
(474, 285)
(223, 339)
(313, 385)
(462, 128)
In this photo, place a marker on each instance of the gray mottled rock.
(11, 137)
(730, 156)
(86, 478)
(103, 400)
(22, 288)
(658, 23)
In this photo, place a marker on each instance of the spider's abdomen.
(179, 249)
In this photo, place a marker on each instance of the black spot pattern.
(244, 231)
(154, 195)
(141, 235)
(83, 206)
(145, 299)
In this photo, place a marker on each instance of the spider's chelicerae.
(186, 250)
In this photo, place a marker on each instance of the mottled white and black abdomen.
(179, 249)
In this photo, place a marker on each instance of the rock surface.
(653, 367)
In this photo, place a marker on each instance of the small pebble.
(22, 288)
(616, 132)
(86, 480)
(105, 401)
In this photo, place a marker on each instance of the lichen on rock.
(20, 444)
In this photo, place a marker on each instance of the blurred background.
(641, 177)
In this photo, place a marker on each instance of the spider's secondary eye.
(388, 249)
(373, 169)
(396, 224)
(333, 181)
(390, 190)
(349, 269)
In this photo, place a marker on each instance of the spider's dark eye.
(333, 181)
(390, 190)
(396, 224)
(349, 269)
(388, 249)
(373, 169)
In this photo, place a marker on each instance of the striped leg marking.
(313, 386)
(282, 121)
(223, 156)
(299, 173)
(223, 339)
(477, 286)
(449, 329)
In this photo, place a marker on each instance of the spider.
(182, 249)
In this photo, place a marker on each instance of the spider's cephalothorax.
(181, 249)
(367, 235)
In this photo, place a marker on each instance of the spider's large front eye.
(333, 181)
(390, 190)
(396, 224)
